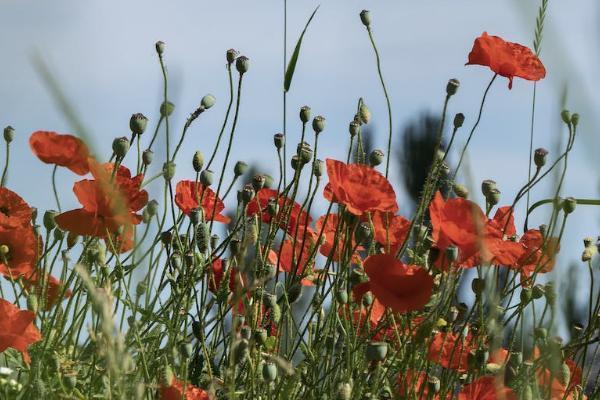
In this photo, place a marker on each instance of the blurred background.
(102, 55)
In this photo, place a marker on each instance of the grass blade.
(289, 72)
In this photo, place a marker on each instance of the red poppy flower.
(549, 382)
(14, 211)
(16, 329)
(287, 210)
(177, 391)
(214, 280)
(396, 285)
(18, 254)
(48, 289)
(451, 350)
(109, 202)
(295, 256)
(506, 59)
(360, 188)
(64, 150)
(486, 388)
(390, 230)
(329, 225)
(190, 194)
(537, 256)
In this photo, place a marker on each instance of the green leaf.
(291, 67)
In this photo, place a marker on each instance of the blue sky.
(103, 54)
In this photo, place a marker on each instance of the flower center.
(4, 210)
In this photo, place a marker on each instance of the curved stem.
(54, 187)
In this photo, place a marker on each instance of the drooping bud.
(376, 157)
(538, 291)
(365, 17)
(138, 123)
(120, 147)
(575, 119)
(231, 55)
(9, 134)
(242, 64)
(318, 124)
(49, 222)
(452, 87)
(459, 120)
(208, 101)
(305, 114)
(206, 177)
(166, 109)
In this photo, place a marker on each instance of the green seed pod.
(376, 157)
(341, 296)
(214, 241)
(260, 336)
(376, 351)
(248, 194)
(166, 109)
(195, 216)
(318, 168)
(304, 152)
(120, 147)
(353, 128)
(494, 197)
(258, 182)
(147, 157)
(152, 207)
(294, 293)
(367, 299)
(168, 170)
(242, 64)
(160, 47)
(269, 372)
(141, 288)
(58, 235)
(575, 119)
(363, 233)
(569, 205)
(240, 168)
(460, 190)
(487, 186)
(208, 101)
(540, 333)
(539, 157)
(49, 222)
(318, 124)
(231, 55)
(526, 294)
(9, 134)
(538, 291)
(365, 17)
(33, 303)
(452, 87)
(207, 177)
(459, 120)
(202, 237)
(305, 114)
(364, 114)
(198, 161)
(550, 293)
(138, 123)
(344, 391)
(452, 253)
(478, 286)
(566, 116)
(278, 140)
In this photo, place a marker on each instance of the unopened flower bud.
(318, 124)
(376, 351)
(138, 123)
(575, 119)
(364, 113)
(160, 47)
(242, 64)
(208, 101)
(269, 372)
(120, 147)
(168, 170)
(166, 109)
(566, 116)
(550, 293)
(305, 114)
(9, 134)
(452, 87)
(206, 177)
(240, 168)
(526, 294)
(49, 222)
(231, 55)
(569, 205)
(152, 207)
(460, 190)
(459, 120)
(278, 140)
(539, 157)
(376, 157)
(478, 286)
(195, 216)
(365, 17)
(72, 239)
(198, 161)
(147, 157)
(354, 128)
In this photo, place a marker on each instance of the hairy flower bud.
(168, 170)
(575, 119)
(49, 222)
(566, 116)
(318, 168)
(353, 128)
(138, 123)
(364, 113)
(569, 205)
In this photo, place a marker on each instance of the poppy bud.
(120, 147)
(365, 17)
(240, 168)
(175, 261)
(539, 157)
(32, 303)
(195, 216)
(318, 124)
(305, 114)
(376, 351)
(166, 109)
(147, 157)
(575, 119)
(363, 233)
(208, 101)
(487, 186)
(550, 293)
(296, 163)
(207, 177)
(305, 152)
(318, 168)
(260, 336)
(231, 55)
(364, 113)
(566, 116)
(198, 161)
(141, 288)
(269, 371)
(460, 190)
(242, 64)
(494, 197)
(138, 123)
(9, 134)
(258, 182)
(72, 239)
(247, 194)
(341, 296)
(376, 157)
(569, 205)
(525, 296)
(452, 87)
(478, 286)
(353, 128)
(49, 222)
(538, 291)
(344, 391)
(279, 140)
(160, 47)
(58, 235)
(459, 120)
(202, 237)
(451, 253)
(564, 374)
(367, 299)
(168, 170)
